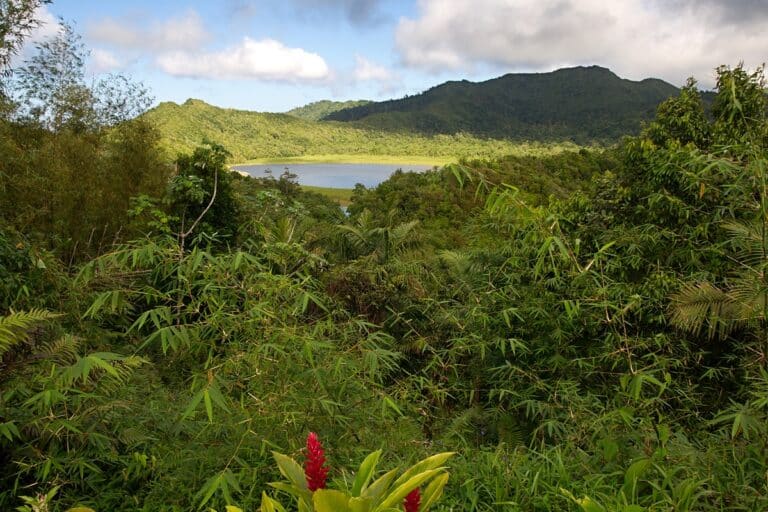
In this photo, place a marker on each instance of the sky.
(273, 55)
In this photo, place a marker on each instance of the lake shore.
(352, 159)
(341, 194)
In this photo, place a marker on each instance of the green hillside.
(263, 136)
(319, 109)
(488, 119)
(581, 104)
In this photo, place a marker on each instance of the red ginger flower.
(412, 501)
(314, 467)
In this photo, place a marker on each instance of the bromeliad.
(387, 492)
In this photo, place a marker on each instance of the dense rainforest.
(582, 330)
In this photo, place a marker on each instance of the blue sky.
(271, 55)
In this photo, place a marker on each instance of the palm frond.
(402, 232)
(749, 239)
(700, 305)
(749, 291)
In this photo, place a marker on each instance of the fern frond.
(15, 326)
(747, 231)
(509, 431)
(61, 350)
(133, 436)
(463, 426)
(104, 370)
(459, 264)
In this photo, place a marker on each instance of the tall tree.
(52, 88)
(17, 20)
(52, 83)
(201, 194)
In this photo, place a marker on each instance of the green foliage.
(233, 333)
(552, 324)
(52, 83)
(681, 119)
(29, 277)
(71, 155)
(71, 192)
(56, 406)
(380, 243)
(740, 105)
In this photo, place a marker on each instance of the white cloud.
(367, 70)
(266, 59)
(186, 32)
(103, 61)
(636, 38)
(179, 48)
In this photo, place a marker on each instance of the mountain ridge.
(582, 104)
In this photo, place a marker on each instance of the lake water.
(332, 175)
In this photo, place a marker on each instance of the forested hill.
(582, 104)
(258, 135)
(319, 109)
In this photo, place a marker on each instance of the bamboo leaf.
(208, 405)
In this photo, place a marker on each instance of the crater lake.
(329, 174)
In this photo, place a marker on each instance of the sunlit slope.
(259, 136)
